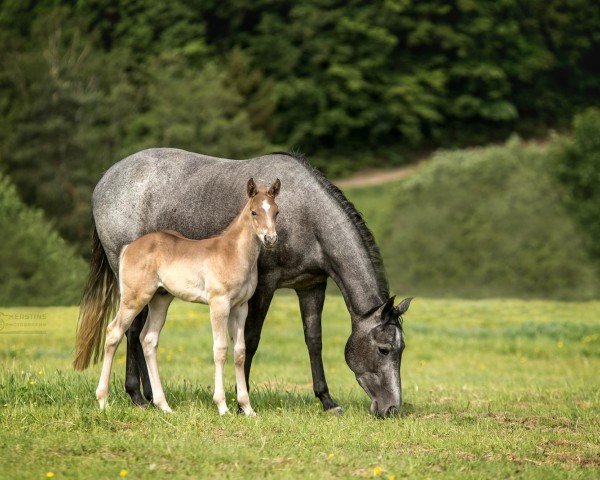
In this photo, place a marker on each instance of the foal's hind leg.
(157, 315)
(237, 320)
(114, 334)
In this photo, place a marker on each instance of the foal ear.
(403, 305)
(274, 190)
(251, 188)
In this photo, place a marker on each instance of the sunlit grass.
(496, 388)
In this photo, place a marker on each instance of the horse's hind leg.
(237, 319)
(114, 334)
(135, 368)
(157, 315)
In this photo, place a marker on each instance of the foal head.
(263, 211)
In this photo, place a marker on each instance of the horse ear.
(274, 190)
(251, 188)
(388, 306)
(403, 305)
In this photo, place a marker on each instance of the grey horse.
(320, 234)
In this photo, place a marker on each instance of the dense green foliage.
(38, 268)
(480, 222)
(85, 82)
(578, 168)
(492, 389)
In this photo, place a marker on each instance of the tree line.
(84, 83)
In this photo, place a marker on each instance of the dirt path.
(368, 178)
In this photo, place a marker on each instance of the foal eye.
(384, 351)
(253, 213)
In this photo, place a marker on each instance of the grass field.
(496, 388)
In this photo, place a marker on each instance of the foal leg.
(311, 308)
(114, 334)
(219, 314)
(237, 319)
(157, 315)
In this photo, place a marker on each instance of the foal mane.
(354, 215)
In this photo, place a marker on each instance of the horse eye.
(253, 213)
(384, 351)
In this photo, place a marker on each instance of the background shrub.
(479, 223)
(577, 166)
(38, 267)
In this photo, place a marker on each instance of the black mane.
(354, 215)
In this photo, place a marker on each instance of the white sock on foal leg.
(237, 320)
(114, 334)
(219, 313)
(157, 315)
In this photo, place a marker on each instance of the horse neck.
(240, 233)
(351, 267)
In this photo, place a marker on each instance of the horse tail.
(98, 305)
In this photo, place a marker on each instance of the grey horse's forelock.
(355, 216)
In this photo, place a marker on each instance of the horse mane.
(355, 217)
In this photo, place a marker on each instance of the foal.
(219, 271)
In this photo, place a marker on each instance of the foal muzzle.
(270, 240)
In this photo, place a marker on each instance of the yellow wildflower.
(377, 471)
(49, 474)
(123, 473)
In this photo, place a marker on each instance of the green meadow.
(492, 388)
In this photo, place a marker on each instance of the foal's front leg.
(237, 320)
(219, 313)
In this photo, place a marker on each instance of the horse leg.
(237, 319)
(219, 315)
(114, 334)
(257, 311)
(135, 367)
(311, 309)
(157, 315)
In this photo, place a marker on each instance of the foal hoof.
(335, 411)
(102, 403)
(164, 407)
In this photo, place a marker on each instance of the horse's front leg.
(219, 315)
(311, 309)
(257, 312)
(237, 319)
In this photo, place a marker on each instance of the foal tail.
(97, 306)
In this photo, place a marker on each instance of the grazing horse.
(220, 271)
(321, 235)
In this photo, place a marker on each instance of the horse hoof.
(335, 411)
(139, 401)
(102, 403)
(250, 413)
